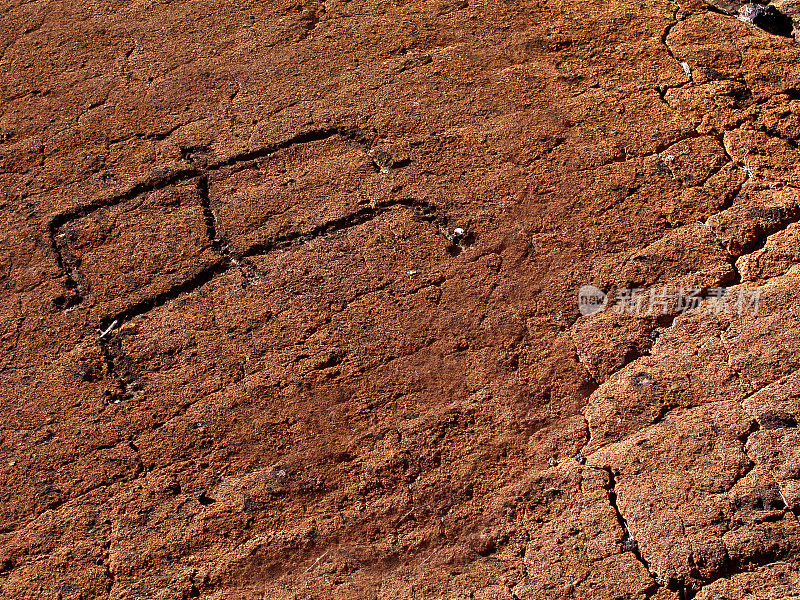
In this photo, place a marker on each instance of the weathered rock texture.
(289, 307)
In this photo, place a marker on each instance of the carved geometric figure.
(292, 192)
(128, 253)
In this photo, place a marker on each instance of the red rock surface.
(289, 301)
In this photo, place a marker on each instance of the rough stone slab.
(759, 210)
(780, 252)
(771, 582)
(693, 498)
(294, 191)
(138, 249)
(688, 365)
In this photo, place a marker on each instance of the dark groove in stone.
(201, 276)
(628, 543)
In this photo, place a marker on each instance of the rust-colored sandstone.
(289, 301)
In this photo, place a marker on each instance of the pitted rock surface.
(289, 300)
